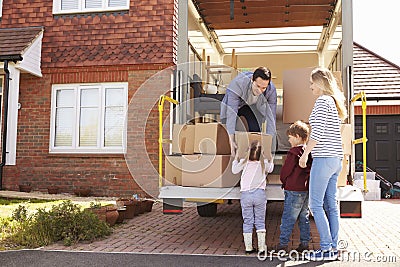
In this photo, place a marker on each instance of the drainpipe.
(5, 124)
(6, 58)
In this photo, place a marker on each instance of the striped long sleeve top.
(325, 128)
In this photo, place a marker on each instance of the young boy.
(295, 183)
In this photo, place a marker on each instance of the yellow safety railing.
(160, 138)
(361, 95)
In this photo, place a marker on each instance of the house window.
(81, 6)
(88, 118)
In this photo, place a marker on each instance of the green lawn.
(8, 205)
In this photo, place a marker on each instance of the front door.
(383, 146)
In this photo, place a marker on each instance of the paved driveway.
(373, 238)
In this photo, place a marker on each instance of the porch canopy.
(23, 47)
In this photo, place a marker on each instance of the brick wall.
(104, 174)
(379, 110)
(146, 34)
(88, 48)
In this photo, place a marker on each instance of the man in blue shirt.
(251, 96)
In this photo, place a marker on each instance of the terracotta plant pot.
(129, 205)
(139, 206)
(148, 205)
(111, 215)
(25, 188)
(121, 214)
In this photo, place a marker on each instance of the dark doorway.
(383, 146)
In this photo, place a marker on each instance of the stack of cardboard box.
(201, 157)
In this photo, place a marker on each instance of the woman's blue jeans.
(254, 206)
(323, 204)
(295, 207)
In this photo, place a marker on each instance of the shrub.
(66, 222)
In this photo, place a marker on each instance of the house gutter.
(5, 60)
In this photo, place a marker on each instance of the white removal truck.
(289, 37)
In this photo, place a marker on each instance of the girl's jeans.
(323, 205)
(295, 206)
(254, 205)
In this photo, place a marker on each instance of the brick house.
(74, 66)
(66, 59)
(380, 80)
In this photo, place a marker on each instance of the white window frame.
(1, 8)
(81, 7)
(75, 148)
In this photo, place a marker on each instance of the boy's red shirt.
(292, 176)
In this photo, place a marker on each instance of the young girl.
(252, 198)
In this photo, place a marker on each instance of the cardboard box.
(244, 139)
(208, 171)
(173, 170)
(347, 137)
(342, 178)
(211, 138)
(298, 99)
(273, 179)
(183, 138)
(338, 77)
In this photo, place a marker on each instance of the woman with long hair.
(325, 146)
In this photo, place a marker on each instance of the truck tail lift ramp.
(351, 197)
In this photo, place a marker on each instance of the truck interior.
(230, 36)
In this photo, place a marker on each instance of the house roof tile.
(14, 41)
(375, 75)
(110, 54)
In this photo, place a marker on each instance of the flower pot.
(130, 207)
(111, 215)
(139, 207)
(148, 205)
(25, 188)
(121, 214)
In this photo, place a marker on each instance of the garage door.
(383, 146)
